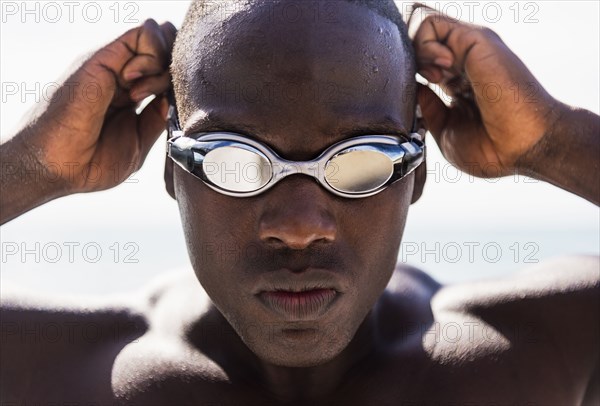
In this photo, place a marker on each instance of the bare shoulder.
(559, 295)
(548, 280)
(529, 337)
(165, 363)
(57, 349)
(538, 326)
(64, 349)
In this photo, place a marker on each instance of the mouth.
(300, 296)
(304, 304)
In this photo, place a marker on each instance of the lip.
(300, 295)
(299, 281)
(307, 304)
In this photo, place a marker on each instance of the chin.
(300, 348)
(312, 358)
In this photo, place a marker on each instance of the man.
(316, 311)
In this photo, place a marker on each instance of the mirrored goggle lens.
(237, 169)
(358, 171)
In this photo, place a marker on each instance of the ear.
(421, 171)
(420, 176)
(169, 177)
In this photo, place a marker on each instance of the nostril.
(274, 242)
(296, 238)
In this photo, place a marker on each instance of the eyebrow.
(213, 122)
(375, 128)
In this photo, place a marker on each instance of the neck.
(321, 381)
(288, 384)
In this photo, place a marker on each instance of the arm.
(82, 141)
(25, 184)
(568, 154)
(57, 351)
(51, 352)
(518, 128)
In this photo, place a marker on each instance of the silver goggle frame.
(189, 153)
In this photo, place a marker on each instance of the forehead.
(313, 71)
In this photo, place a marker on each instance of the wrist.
(25, 162)
(567, 155)
(547, 150)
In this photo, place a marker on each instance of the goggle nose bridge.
(314, 168)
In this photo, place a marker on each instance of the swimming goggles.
(239, 166)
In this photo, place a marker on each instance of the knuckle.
(431, 19)
(488, 33)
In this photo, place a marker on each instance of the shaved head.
(208, 26)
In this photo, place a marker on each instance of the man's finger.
(170, 32)
(152, 53)
(102, 72)
(158, 84)
(114, 56)
(429, 49)
(450, 43)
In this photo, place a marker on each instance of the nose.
(297, 215)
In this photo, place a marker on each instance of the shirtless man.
(312, 308)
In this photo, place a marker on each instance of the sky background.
(461, 229)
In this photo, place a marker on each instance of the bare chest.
(407, 376)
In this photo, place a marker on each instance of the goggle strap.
(415, 153)
(185, 157)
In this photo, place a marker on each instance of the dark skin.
(391, 337)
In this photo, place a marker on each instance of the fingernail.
(132, 75)
(443, 62)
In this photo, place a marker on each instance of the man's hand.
(499, 110)
(88, 136)
(90, 133)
